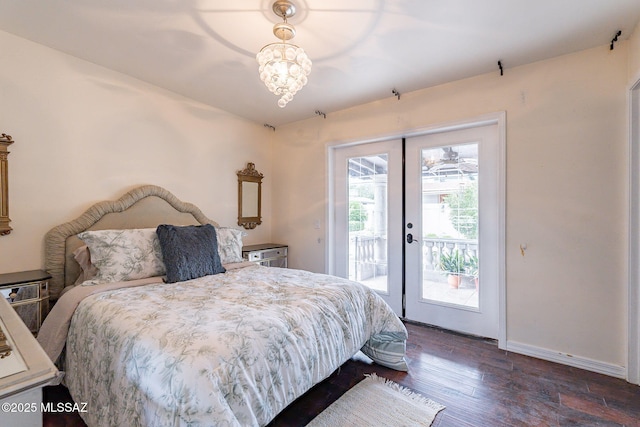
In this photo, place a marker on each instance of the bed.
(231, 348)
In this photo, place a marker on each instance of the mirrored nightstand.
(267, 254)
(28, 293)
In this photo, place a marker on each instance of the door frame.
(633, 328)
(497, 118)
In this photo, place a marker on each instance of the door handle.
(410, 238)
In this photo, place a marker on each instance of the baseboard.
(567, 359)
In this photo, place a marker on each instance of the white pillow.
(121, 255)
(229, 244)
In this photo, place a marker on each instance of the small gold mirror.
(5, 142)
(249, 197)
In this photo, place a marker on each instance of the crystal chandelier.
(284, 67)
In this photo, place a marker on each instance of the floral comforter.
(232, 349)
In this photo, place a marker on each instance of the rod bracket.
(615, 39)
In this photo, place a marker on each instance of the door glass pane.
(450, 225)
(367, 183)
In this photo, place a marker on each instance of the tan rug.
(376, 401)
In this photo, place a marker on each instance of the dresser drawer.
(267, 253)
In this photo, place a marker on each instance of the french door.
(419, 221)
(368, 217)
(453, 227)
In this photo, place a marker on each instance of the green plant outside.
(471, 266)
(453, 263)
(464, 210)
(357, 216)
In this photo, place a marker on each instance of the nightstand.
(23, 372)
(28, 294)
(267, 254)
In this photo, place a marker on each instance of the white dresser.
(24, 370)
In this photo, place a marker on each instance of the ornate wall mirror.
(249, 197)
(5, 142)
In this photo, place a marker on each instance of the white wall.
(634, 55)
(84, 134)
(566, 190)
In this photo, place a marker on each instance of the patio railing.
(369, 258)
(433, 248)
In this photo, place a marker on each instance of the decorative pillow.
(189, 252)
(83, 258)
(229, 244)
(121, 255)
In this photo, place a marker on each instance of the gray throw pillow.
(189, 252)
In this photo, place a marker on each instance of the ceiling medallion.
(284, 67)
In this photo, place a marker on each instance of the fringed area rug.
(376, 401)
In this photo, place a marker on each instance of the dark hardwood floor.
(479, 384)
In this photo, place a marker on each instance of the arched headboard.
(143, 207)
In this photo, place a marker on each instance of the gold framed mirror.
(249, 197)
(5, 142)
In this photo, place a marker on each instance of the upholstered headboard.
(144, 207)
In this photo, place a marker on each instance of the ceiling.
(361, 49)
